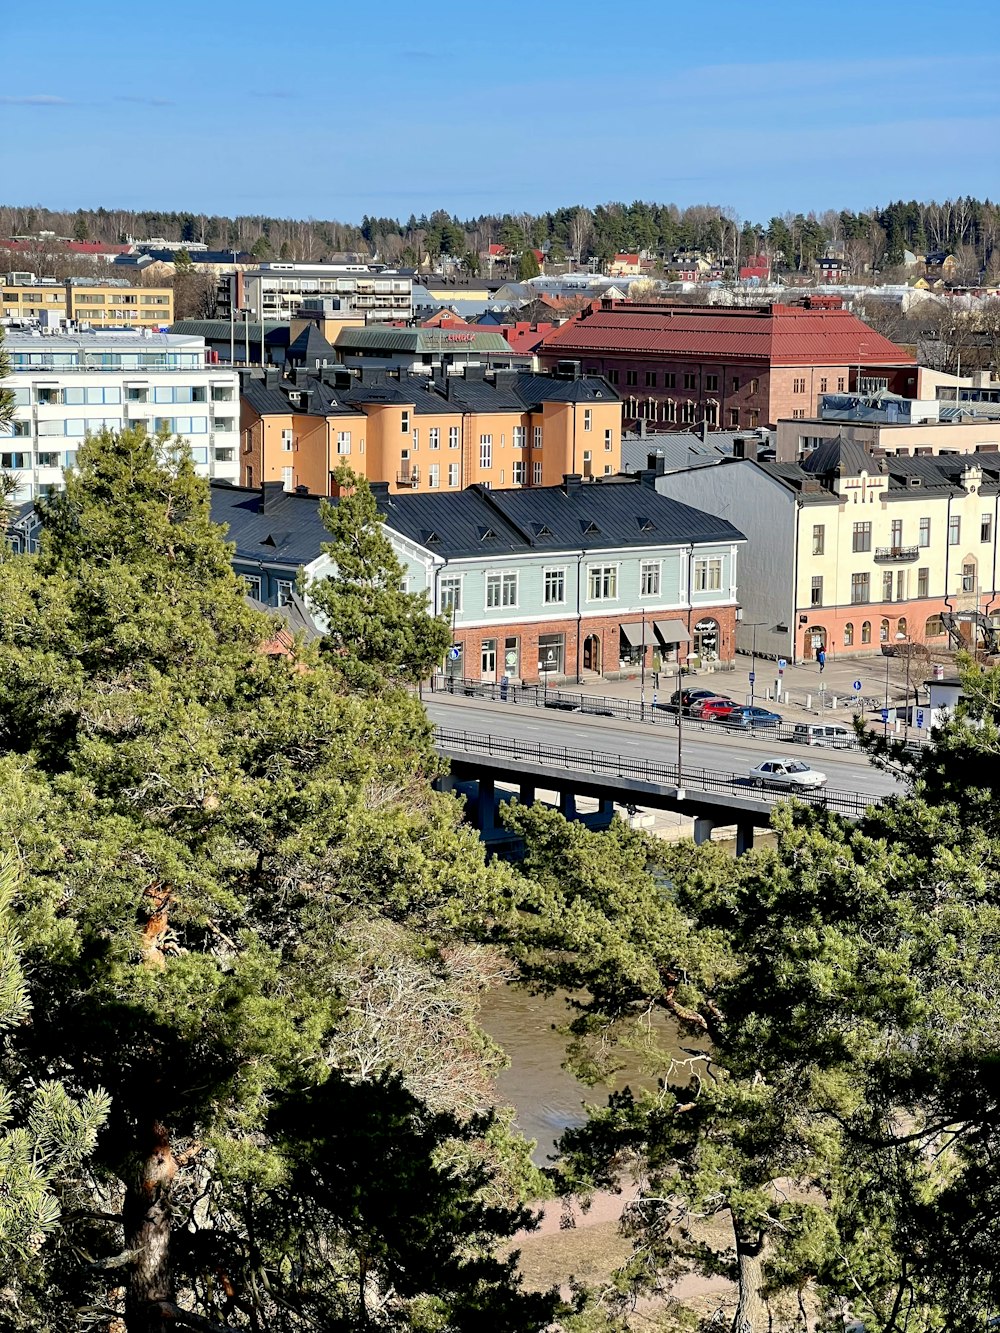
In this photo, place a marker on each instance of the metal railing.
(661, 713)
(599, 762)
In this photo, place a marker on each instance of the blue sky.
(332, 110)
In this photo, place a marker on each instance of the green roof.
(418, 341)
(218, 330)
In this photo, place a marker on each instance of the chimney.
(270, 493)
(379, 489)
(745, 447)
(572, 481)
(704, 430)
(642, 428)
(272, 377)
(656, 463)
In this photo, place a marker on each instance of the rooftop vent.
(914, 481)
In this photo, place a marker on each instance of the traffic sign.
(856, 687)
(753, 676)
(782, 664)
(454, 652)
(920, 719)
(885, 714)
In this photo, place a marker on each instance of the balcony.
(900, 555)
(409, 476)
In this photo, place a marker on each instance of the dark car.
(688, 699)
(749, 717)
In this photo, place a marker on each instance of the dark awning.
(671, 631)
(632, 630)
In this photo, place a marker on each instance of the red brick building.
(736, 369)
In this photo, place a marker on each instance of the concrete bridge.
(712, 798)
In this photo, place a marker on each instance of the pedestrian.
(657, 664)
(821, 659)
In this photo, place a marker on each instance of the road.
(847, 770)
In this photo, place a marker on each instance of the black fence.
(598, 762)
(656, 711)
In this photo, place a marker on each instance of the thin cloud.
(145, 101)
(36, 99)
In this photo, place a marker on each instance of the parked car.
(824, 733)
(749, 717)
(712, 708)
(688, 699)
(790, 773)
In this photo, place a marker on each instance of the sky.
(329, 110)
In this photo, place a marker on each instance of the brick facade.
(577, 657)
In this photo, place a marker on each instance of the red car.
(715, 708)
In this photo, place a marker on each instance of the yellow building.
(32, 300)
(508, 429)
(101, 304)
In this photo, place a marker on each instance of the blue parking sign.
(920, 719)
(753, 676)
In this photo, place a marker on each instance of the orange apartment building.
(503, 428)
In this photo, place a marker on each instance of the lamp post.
(642, 672)
(681, 658)
(905, 639)
(885, 714)
(755, 626)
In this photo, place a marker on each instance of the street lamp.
(681, 659)
(642, 672)
(755, 626)
(905, 638)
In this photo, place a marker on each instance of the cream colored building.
(100, 304)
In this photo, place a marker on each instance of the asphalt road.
(846, 770)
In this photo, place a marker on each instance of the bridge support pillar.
(526, 795)
(703, 829)
(744, 839)
(607, 808)
(567, 804)
(486, 806)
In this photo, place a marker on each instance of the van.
(824, 733)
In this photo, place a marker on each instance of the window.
(754, 385)
(887, 585)
(21, 429)
(816, 592)
(883, 632)
(712, 414)
(708, 574)
(343, 441)
(840, 384)
(253, 585)
(819, 539)
(405, 423)
(822, 384)
(588, 419)
(848, 635)
(688, 413)
(969, 577)
(519, 437)
(486, 451)
(736, 383)
(954, 530)
(860, 588)
(518, 472)
(612, 376)
(554, 587)
(650, 379)
(588, 463)
(551, 652)
(900, 585)
(798, 385)
(15, 460)
(452, 437)
(287, 478)
(753, 418)
(609, 441)
(896, 531)
(488, 657)
(734, 416)
(649, 578)
(285, 589)
(451, 594)
(602, 583)
(711, 383)
(933, 627)
(452, 474)
(287, 442)
(538, 437)
(986, 528)
(434, 476)
(924, 534)
(416, 439)
(669, 380)
(798, 413)
(862, 537)
(923, 581)
(866, 632)
(631, 377)
(690, 380)
(501, 590)
(536, 474)
(434, 437)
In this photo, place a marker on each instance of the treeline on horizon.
(875, 238)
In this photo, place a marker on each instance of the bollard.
(809, 703)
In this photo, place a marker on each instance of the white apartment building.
(67, 385)
(354, 291)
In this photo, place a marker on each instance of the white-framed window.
(343, 441)
(451, 593)
(538, 437)
(602, 583)
(434, 437)
(452, 474)
(406, 421)
(519, 437)
(609, 441)
(708, 574)
(519, 472)
(416, 438)
(285, 589)
(253, 585)
(649, 578)
(588, 463)
(554, 587)
(486, 451)
(287, 442)
(453, 440)
(288, 477)
(536, 474)
(501, 589)
(588, 419)
(434, 476)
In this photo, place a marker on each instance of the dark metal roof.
(310, 347)
(841, 456)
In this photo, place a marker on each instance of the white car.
(787, 773)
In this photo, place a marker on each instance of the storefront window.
(551, 653)
(706, 639)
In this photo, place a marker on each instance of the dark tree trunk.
(147, 1232)
(751, 1310)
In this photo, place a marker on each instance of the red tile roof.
(625, 259)
(778, 334)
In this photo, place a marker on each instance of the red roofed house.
(624, 266)
(676, 366)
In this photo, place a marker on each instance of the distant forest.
(871, 240)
